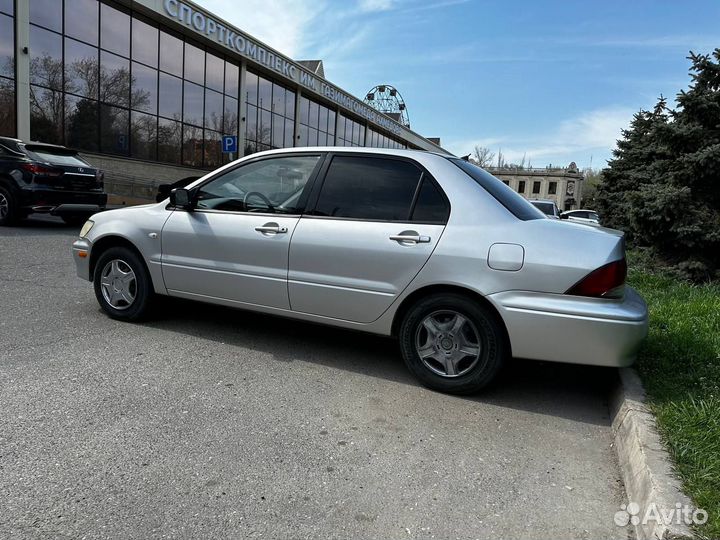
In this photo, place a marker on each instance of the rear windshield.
(515, 203)
(56, 157)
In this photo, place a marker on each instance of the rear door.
(374, 224)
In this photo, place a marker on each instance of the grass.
(680, 367)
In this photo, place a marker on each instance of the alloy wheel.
(4, 206)
(448, 343)
(118, 284)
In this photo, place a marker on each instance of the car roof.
(354, 150)
(541, 201)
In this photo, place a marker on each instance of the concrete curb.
(644, 462)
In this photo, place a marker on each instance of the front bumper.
(81, 255)
(62, 201)
(574, 329)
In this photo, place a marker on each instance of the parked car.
(47, 179)
(547, 207)
(428, 248)
(589, 217)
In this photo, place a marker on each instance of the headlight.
(86, 228)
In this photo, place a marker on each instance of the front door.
(376, 222)
(234, 245)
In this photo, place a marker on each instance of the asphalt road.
(207, 422)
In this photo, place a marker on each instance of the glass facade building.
(107, 79)
(7, 68)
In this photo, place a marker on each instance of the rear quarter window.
(515, 204)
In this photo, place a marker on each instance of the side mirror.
(180, 198)
(563, 216)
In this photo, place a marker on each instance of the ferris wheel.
(387, 100)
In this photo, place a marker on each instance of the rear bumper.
(574, 329)
(62, 202)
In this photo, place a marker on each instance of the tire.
(9, 213)
(462, 343)
(124, 291)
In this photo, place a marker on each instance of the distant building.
(562, 185)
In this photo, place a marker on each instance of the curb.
(644, 462)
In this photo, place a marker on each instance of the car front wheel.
(122, 284)
(452, 344)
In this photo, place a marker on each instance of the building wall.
(566, 184)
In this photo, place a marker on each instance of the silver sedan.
(427, 248)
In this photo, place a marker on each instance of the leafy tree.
(593, 179)
(663, 185)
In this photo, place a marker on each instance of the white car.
(588, 217)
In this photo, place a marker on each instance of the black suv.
(45, 178)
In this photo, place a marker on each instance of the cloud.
(375, 5)
(660, 42)
(283, 25)
(593, 133)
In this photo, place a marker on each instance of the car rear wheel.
(122, 284)
(452, 344)
(9, 214)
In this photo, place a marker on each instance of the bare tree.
(483, 156)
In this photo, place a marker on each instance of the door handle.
(271, 228)
(411, 238)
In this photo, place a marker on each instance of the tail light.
(606, 282)
(41, 170)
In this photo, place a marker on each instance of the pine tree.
(663, 185)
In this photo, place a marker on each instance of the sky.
(551, 81)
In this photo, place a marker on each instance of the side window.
(272, 185)
(430, 206)
(368, 188)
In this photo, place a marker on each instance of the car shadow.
(547, 388)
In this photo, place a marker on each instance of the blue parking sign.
(229, 144)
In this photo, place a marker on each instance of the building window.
(536, 188)
(317, 124)
(7, 69)
(269, 114)
(81, 20)
(114, 30)
(378, 140)
(47, 13)
(552, 188)
(521, 186)
(506, 182)
(350, 132)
